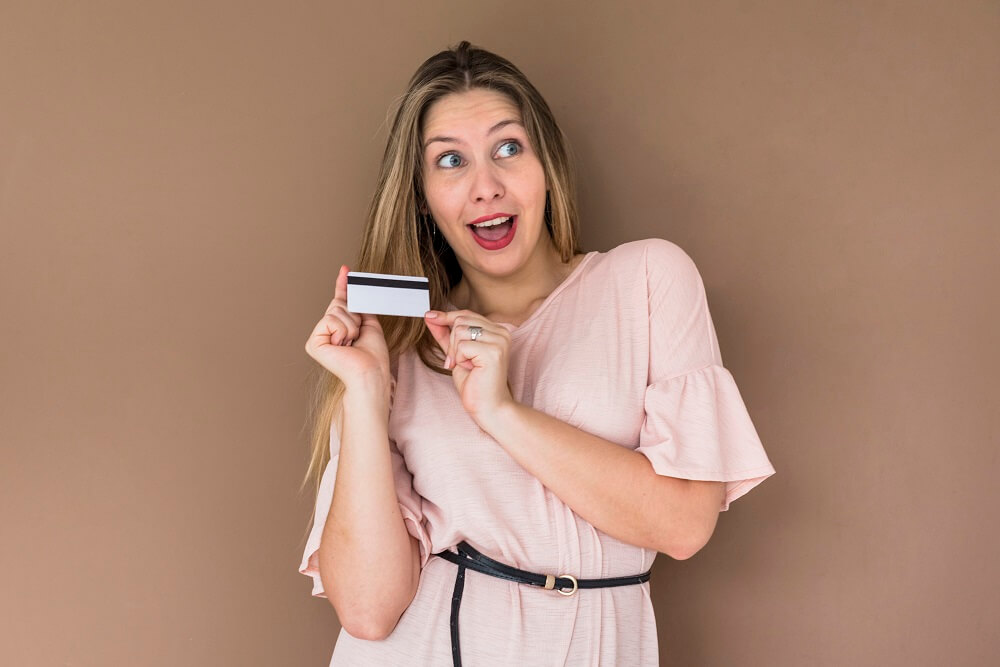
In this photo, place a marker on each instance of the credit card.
(387, 294)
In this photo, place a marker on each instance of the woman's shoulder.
(657, 256)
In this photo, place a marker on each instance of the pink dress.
(625, 349)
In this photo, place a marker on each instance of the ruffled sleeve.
(410, 506)
(696, 425)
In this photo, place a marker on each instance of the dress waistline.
(468, 558)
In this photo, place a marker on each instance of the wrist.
(498, 418)
(368, 391)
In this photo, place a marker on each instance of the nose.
(486, 183)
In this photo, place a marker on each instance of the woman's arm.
(368, 562)
(612, 487)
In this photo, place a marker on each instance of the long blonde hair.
(399, 239)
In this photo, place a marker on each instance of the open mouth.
(496, 233)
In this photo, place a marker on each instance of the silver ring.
(475, 332)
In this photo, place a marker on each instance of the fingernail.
(431, 314)
(447, 361)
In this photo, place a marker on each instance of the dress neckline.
(515, 330)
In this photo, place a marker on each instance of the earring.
(427, 221)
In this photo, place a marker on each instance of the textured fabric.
(625, 349)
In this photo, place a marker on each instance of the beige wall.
(180, 181)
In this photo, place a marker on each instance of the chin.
(501, 267)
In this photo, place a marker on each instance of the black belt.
(565, 584)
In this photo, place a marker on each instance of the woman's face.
(479, 166)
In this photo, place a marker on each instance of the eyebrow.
(453, 140)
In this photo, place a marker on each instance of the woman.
(587, 423)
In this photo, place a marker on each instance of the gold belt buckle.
(550, 584)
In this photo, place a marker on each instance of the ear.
(421, 203)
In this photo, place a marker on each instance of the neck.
(512, 299)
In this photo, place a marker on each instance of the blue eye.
(449, 161)
(514, 144)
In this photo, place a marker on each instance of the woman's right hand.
(350, 345)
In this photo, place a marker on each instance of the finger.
(490, 333)
(475, 353)
(488, 330)
(369, 320)
(371, 324)
(449, 316)
(351, 320)
(339, 307)
(340, 292)
(460, 327)
(336, 329)
(440, 331)
(328, 331)
(453, 341)
(442, 326)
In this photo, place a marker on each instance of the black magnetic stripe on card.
(388, 282)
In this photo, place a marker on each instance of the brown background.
(179, 182)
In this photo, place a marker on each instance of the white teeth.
(492, 223)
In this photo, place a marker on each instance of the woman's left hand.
(478, 367)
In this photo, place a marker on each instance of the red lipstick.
(494, 237)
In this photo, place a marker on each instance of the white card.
(386, 294)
